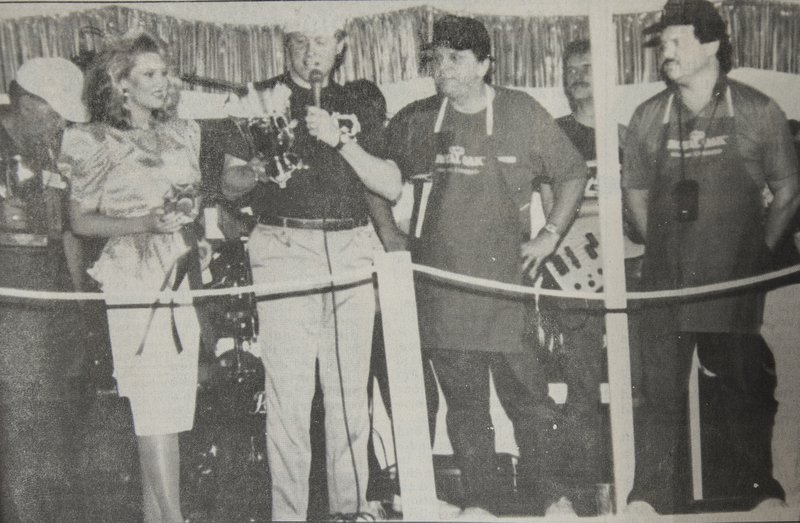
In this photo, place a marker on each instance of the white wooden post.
(604, 71)
(406, 387)
(694, 428)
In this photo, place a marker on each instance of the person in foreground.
(36, 404)
(312, 224)
(481, 147)
(711, 180)
(134, 171)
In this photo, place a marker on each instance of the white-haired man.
(37, 343)
(309, 225)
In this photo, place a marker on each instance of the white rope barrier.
(713, 288)
(363, 275)
(341, 279)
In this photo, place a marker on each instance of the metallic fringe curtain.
(765, 35)
(387, 48)
(221, 51)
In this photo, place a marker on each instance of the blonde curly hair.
(102, 93)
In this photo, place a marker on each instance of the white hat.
(58, 82)
(313, 24)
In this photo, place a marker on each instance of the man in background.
(575, 328)
(38, 345)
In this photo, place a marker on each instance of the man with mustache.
(576, 327)
(711, 181)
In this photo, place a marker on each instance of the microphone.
(315, 77)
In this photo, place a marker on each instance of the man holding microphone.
(310, 224)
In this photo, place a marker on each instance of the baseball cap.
(708, 24)
(58, 82)
(461, 33)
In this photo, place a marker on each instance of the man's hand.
(322, 126)
(239, 177)
(536, 251)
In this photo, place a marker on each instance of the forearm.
(636, 202)
(779, 215)
(566, 203)
(379, 176)
(546, 193)
(95, 224)
(380, 210)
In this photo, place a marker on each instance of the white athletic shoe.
(562, 507)
(640, 508)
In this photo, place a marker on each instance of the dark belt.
(320, 224)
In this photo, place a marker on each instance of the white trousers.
(299, 329)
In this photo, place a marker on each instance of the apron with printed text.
(725, 242)
(470, 226)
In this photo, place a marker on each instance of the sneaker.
(475, 514)
(562, 507)
(640, 508)
(374, 511)
(768, 506)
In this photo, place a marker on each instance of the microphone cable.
(326, 212)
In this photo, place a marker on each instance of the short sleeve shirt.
(762, 135)
(529, 143)
(328, 187)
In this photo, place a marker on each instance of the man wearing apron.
(711, 181)
(481, 146)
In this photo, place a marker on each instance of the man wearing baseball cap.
(37, 347)
(475, 150)
(711, 181)
(313, 221)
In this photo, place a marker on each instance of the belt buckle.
(22, 239)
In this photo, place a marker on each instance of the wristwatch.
(552, 229)
(344, 139)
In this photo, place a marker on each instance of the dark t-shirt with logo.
(471, 226)
(329, 187)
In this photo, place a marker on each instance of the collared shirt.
(762, 134)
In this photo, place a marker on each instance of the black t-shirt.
(581, 136)
(329, 187)
(24, 173)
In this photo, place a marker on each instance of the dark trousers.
(580, 361)
(744, 367)
(38, 408)
(522, 391)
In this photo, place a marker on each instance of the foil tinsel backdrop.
(387, 47)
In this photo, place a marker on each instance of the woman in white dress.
(126, 165)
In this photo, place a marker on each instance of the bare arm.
(378, 175)
(391, 236)
(636, 201)
(784, 205)
(566, 201)
(92, 223)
